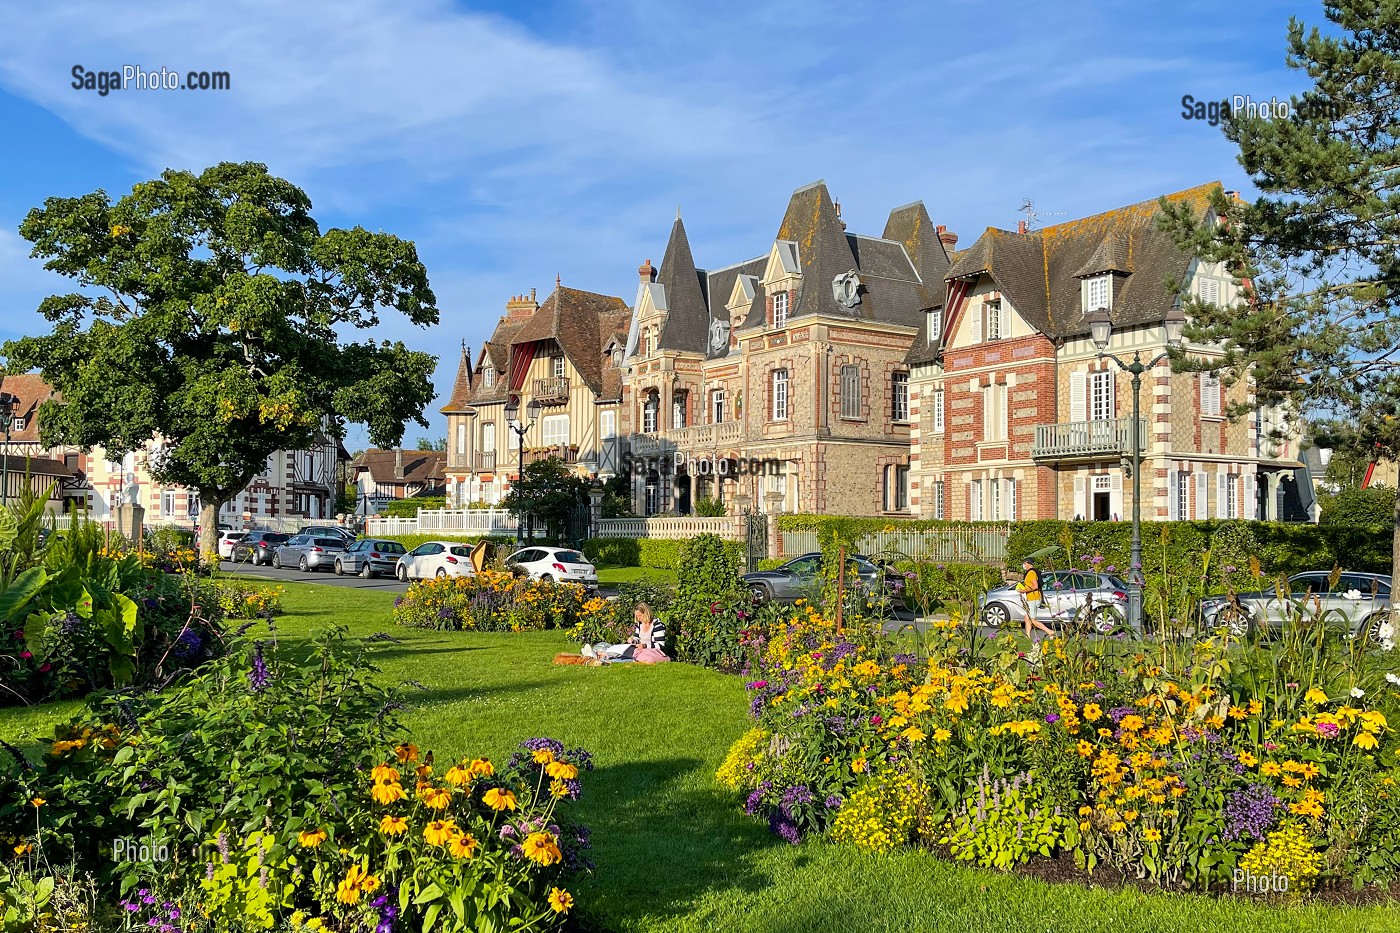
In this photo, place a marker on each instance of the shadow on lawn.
(662, 844)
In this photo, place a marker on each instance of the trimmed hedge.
(1179, 549)
(504, 544)
(851, 528)
(656, 553)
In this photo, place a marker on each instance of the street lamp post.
(1100, 327)
(512, 412)
(7, 419)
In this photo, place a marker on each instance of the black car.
(256, 547)
(799, 578)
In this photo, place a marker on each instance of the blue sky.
(513, 142)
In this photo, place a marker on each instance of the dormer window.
(1098, 293)
(933, 325)
(780, 309)
(651, 340)
(18, 425)
(488, 376)
(617, 356)
(994, 326)
(557, 367)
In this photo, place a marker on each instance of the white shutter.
(1004, 422)
(1210, 395)
(988, 428)
(1173, 507)
(938, 411)
(1005, 312)
(1112, 396)
(1009, 499)
(974, 501)
(1249, 510)
(1076, 396)
(976, 312)
(1201, 510)
(1115, 496)
(1221, 501)
(1080, 496)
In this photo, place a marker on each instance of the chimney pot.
(532, 294)
(647, 272)
(946, 238)
(1020, 226)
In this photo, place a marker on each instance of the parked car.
(1361, 599)
(435, 559)
(256, 547)
(799, 578)
(370, 557)
(325, 531)
(227, 540)
(1079, 597)
(307, 552)
(563, 565)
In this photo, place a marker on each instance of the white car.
(553, 564)
(436, 559)
(227, 541)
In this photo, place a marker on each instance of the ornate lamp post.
(512, 412)
(1100, 328)
(7, 419)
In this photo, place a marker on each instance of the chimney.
(837, 204)
(949, 240)
(1020, 226)
(647, 271)
(522, 305)
(398, 464)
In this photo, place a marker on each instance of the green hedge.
(852, 528)
(945, 586)
(1175, 552)
(656, 553)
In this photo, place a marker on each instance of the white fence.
(445, 521)
(671, 527)
(986, 545)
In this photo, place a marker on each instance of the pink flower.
(26, 655)
(1328, 730)
(876, 720)
(45, 667)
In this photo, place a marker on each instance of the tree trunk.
(208, 543)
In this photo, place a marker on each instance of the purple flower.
(1052, 718)
(834, 802)
(258, 676)
(784, 828)
(1250, 813)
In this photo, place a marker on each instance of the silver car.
(370, 557)
(1068, 597)
(307, 553)
(1362, 600)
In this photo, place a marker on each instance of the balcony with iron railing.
(1071, 440)
(550, 389)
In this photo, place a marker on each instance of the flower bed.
(1177, 764)
(496, 601)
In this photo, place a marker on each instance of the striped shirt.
(658, 636)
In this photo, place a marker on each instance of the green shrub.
(1371, 508)
(944, 586)
(242, 599)
(707, 507)
(712, 606)
(504, 544)
(613, 552)
(772, 563)
(655, 553)
(408, 508)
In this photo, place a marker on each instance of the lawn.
(673, 851)
(612, 576)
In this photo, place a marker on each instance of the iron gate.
(757, 538)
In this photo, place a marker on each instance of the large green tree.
(1319, 250)
(212, 319)
(548, 492)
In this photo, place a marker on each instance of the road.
(390, 585)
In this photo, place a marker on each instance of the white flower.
(1385, 635)
(1393, 679)
(1357, 693)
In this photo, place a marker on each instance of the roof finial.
(557, 280)
(678, 210)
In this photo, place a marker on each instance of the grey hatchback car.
(1083, 597)
(370, 557)
(1361, 600)
(307, 553)
(799, 578)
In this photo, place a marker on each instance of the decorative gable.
(783, 263)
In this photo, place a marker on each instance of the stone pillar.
(774, 500)
(128, 521)
(1271, 481)
(595, 510)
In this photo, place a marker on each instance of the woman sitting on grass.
(646, 646)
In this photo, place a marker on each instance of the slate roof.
(687, 322)
(462, 387)
(18, 464)
(719, 285)
(32, 391)
(1040, 271)
(420, 467)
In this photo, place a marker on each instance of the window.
(651, 340)
(556, 431)
(488, 438)
(1232, 496)
(1009, 497)
(1183, 493)
(850, 391)
(717, 405)
(194, 503)
(780, 309)
(780, 394)
(461, 437)
(167, 504)
(992, 328)
(994, 500)
(899, 397)
(938, 411)
(994, 414)
(1210, 291)
(18, 425)
(1101, 406)
(939, 502)
(1097, 294)
(607, 424)
(933, 325)
(1210, 395)
(557, 367)
(974, 500)
(649, 412)
(897, 488)
(488, 376)
(678, 410)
